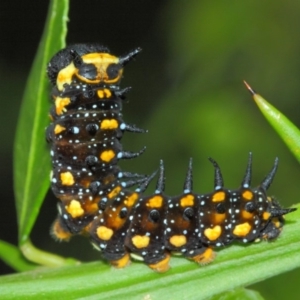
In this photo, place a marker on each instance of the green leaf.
(288, 132)
(14, 258)
(31, 157)
(235, 266)
(236, 294)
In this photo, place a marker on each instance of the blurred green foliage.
(188, 93)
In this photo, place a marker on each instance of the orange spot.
(155, 202)
(58, 129)
(104, 233)
(247, 195)
(130, 200)
(266, 215)
(178, 240)
(140, 241)
(60, 104)
(107, 155)
(109, 124)
(161, 266)
(107, 93)
(75, 209)
(247, 215)
(242, 230)
(213, 233)
(187, 200)
(114, 192)
(204, 258)
(122, 262)
(67, 178)
(100, 94)
(218, 197)
(218, 218)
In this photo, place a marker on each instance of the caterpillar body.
(94, 195)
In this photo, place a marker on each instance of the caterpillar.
(94, 194)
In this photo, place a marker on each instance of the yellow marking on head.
(140, 241)
(104, 233)
(60, 104)
(109, 124)
(155, 202)
(58, 129)
(75, 209)
(67, 178)
(131, 200)
(266, 215)
(107, 93)
(161, 266)
(204, 258)
(65, 76)
(242, 230)
(247, 215)
(100, 94)
(213, 233)
(107, 155)
(218, 197)
(178, 240)
(218, 218)
(114, 192)
(247, 195)
(187, 200)
(122, 262)
(101, 61)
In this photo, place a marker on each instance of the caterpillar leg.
(162, 265)
(203, 256)
(121, 262)
(60, 231)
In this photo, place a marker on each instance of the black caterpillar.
(85, 135)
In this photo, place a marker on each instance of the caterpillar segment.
(94, 194)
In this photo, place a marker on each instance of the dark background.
(187, 90)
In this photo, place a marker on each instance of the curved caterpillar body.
(94, 193)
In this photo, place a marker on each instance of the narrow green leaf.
(235, 266)
(240, 293)
(288, 132)
(13, 257)
(31, 158)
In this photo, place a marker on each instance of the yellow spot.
(204, 258)
(67, 178)
(58, 129)
(213, 233)
(188, 200)
(130, 200)
(178, 240)
(155, 202)
(218, 218)
(65, 76)
(247, 215)
(75, 209)
(122, 262)
(107, 155)
(104, 233)
(218, 197)
(161, 266)
(60, 104)
(277, 223)
(266, 215)
(140, 241)
(104, 93)
(109, 124)
(114, 192)
(242, 230)
(247, 195)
